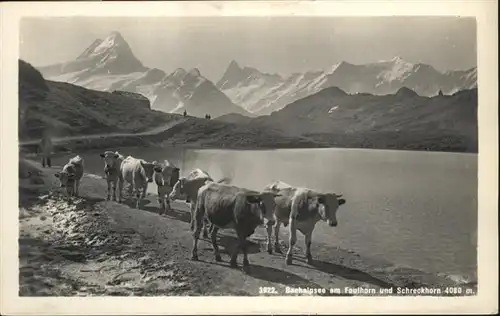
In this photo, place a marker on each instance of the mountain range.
(262, 93)
(331, 117)
(109, 65)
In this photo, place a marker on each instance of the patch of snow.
(333, 109)
(178, 107)
(398, 70)
(334, 67)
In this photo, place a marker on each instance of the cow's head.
(110, 159)
(166, 174)
(178, 189)
(65, 178)
(148, 169)
(328, 205)
(263, 204)
(174, 176)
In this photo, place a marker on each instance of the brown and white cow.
(112, 163)
(165, 176)
(301, 208)
(187, 187)
(71, 175)
(138, 173)
(230, 207)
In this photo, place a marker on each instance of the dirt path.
(153, 131)
(98, 247)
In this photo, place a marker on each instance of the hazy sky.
(275, 45)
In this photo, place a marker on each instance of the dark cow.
(227, 206)
(301, 208)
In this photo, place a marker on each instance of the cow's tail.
(198, 216)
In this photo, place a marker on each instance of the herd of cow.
(216, 204)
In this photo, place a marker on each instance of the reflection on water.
(413, 208)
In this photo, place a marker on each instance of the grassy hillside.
(400, 121)
(213, 133)
(234, 118)
(72, 110)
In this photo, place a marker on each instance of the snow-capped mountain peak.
(113, 41)
(195, 72)
(110, 64)
(89, 50)
(398, 69)
(334, 67)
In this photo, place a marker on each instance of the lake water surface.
(417, 209)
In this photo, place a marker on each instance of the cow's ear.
(117, 156)
(157, 168)
(321, 198)
(253, 199)
(57, 175)
(102, 155)
(342, 201)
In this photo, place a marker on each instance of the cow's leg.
(144, 191)
(308, 237)
(130, 190)
(197, 221)
(161, 200)
(205, 231)
(244, 248)
(120, 188)
(161, 203)
(115, 183)
(167, 202)
(292, 240)
(68, 193)
(43, 161)
(193, 211)
(138, 195)
(234, 255)
(77, 187)
(109, 189)
(277, 246)
(269, 230)
(49, 162)
(214, 243)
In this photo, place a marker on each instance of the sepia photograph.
(240, 155)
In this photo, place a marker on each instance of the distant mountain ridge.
(110, 64)
(262, 93)
(403, 120)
